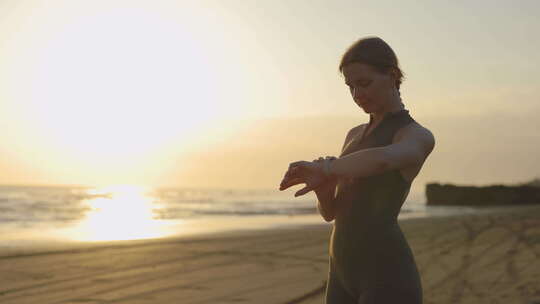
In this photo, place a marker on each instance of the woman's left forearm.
(362, 163)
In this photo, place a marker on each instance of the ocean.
(30, 215)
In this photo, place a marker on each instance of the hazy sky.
(227, 93)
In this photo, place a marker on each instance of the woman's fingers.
(303, 191)
(299, 172)
(286, 179)
(289, 183)
(297, 164)
(291, 173)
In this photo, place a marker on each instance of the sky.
(225, 94)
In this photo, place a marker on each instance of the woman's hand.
(310, 173)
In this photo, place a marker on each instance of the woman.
(363, 190)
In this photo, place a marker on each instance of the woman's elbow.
(328, 219)
(325, 215)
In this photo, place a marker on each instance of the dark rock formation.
(448, 194)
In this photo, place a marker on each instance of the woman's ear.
(394, 73)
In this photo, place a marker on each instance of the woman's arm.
(412, 147)
(326, 193)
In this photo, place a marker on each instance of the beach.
(473, 258)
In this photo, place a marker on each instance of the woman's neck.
(394, 106)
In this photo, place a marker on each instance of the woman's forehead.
(356, 70)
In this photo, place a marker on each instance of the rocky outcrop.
(448, 194)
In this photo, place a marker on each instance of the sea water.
(33, 214)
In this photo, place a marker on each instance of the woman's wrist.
(330, 181)
(327, 167)
(324, 167)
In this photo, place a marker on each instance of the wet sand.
(483, 258)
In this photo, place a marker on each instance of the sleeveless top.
(367, 247)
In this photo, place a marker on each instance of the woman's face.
(370, 89)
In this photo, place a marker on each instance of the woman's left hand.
(310, 173)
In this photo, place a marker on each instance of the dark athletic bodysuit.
(370, 260)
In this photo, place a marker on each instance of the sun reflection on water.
(118, 213)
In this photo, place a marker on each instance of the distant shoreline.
(311, 222)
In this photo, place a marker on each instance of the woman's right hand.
(309, 173)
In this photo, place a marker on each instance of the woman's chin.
(367, 110)
(366, 107)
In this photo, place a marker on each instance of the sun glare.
(119, 84)
(118, 213)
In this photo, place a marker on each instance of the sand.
(483, 258)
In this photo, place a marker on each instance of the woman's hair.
(375, 52)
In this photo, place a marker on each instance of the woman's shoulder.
(416, 130)
(414, 125)
(354, 132)
(357, 129)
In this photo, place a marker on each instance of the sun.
(120, 84)
(121, 212)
